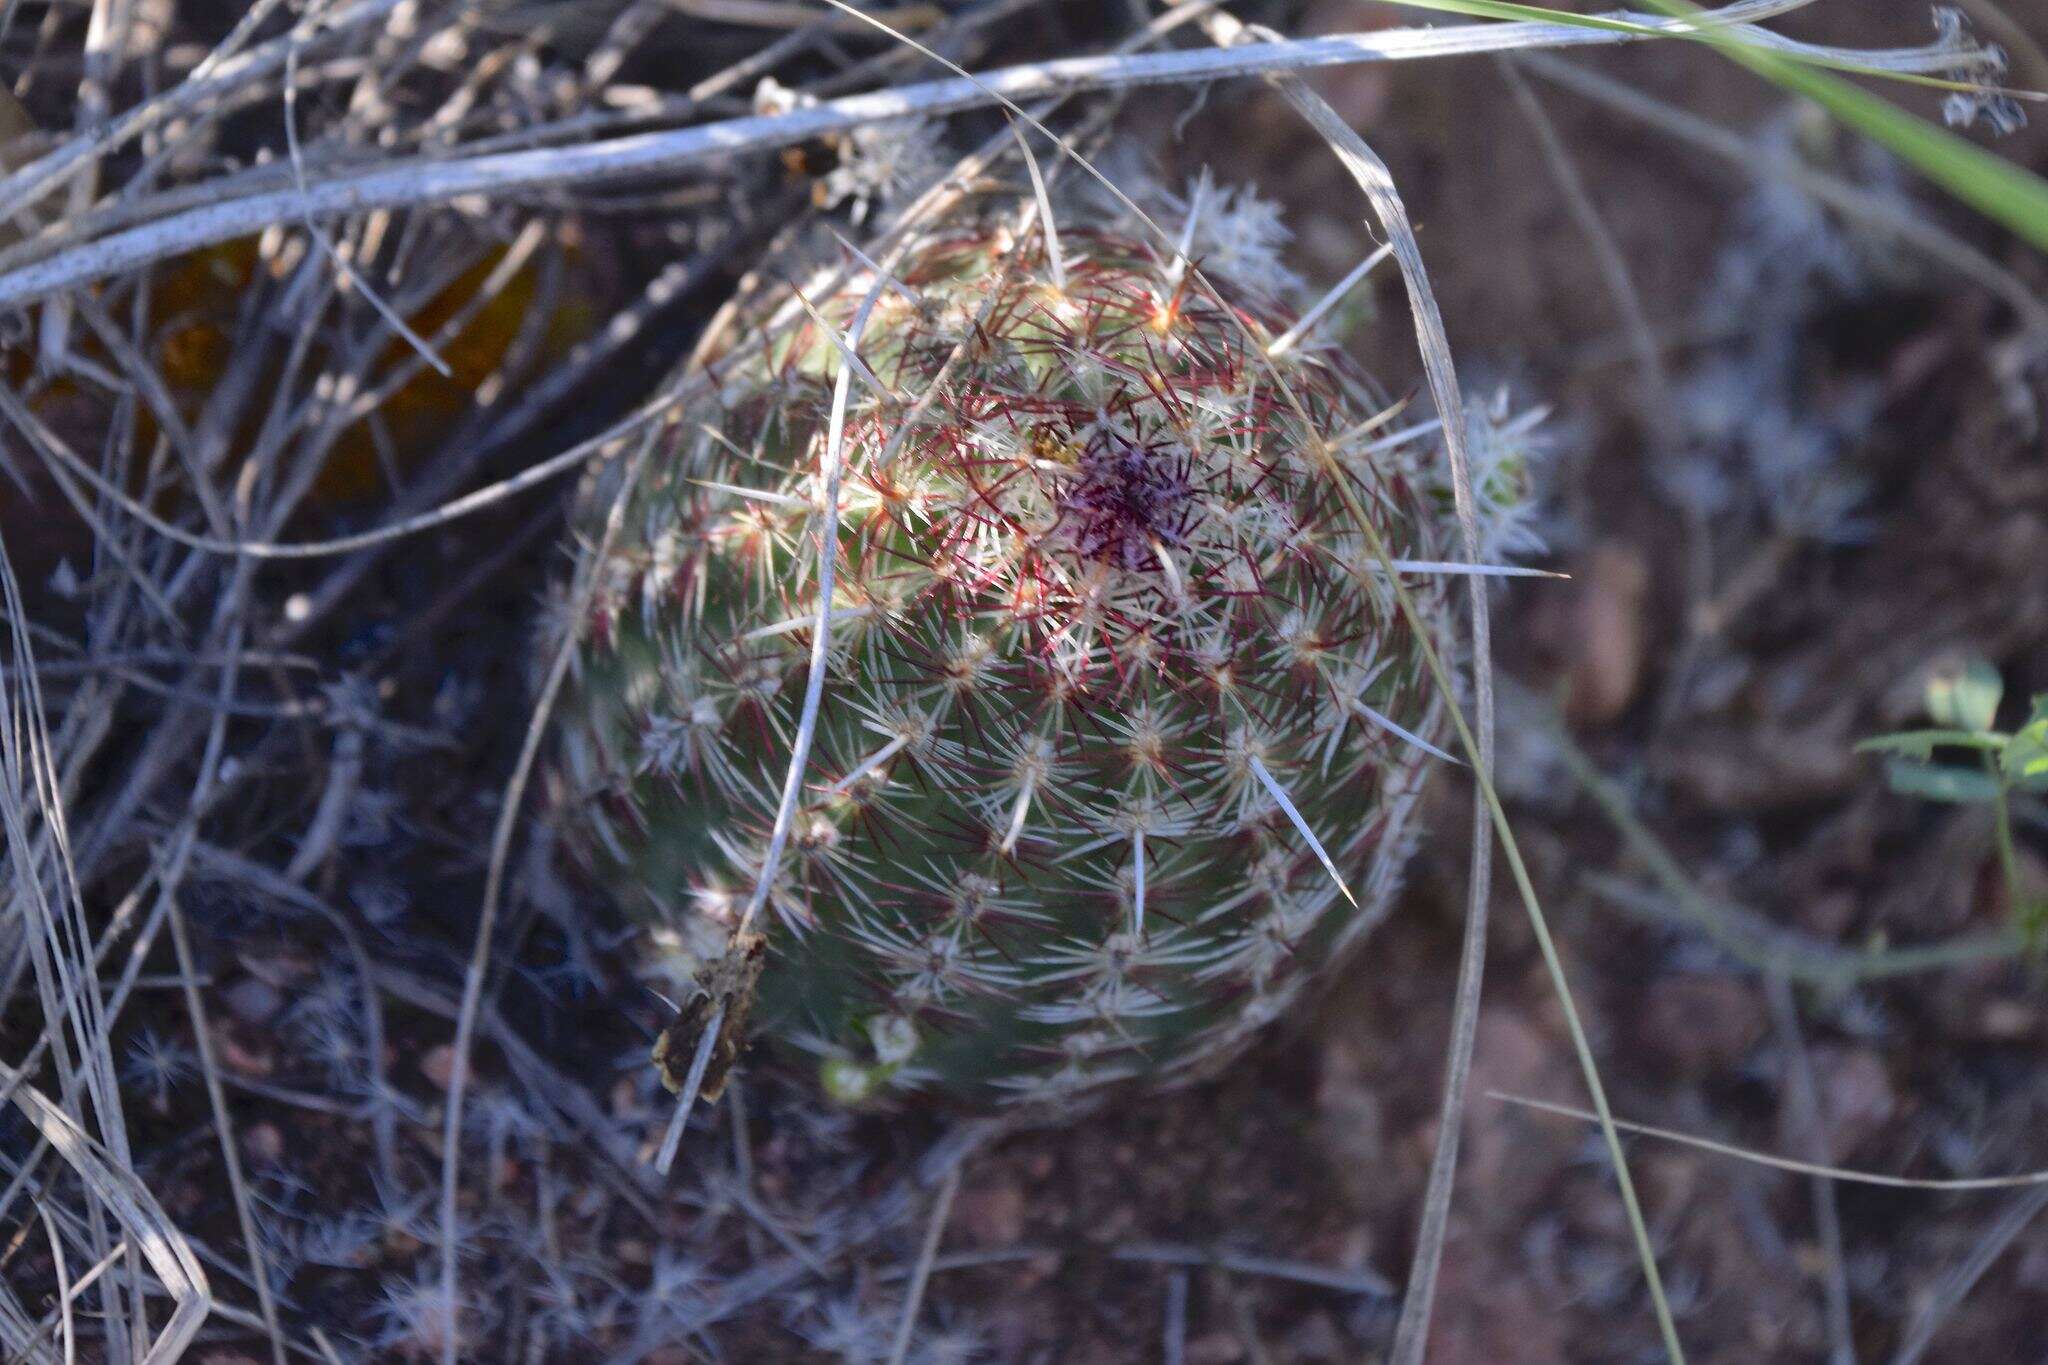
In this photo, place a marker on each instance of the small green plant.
(1963, 704)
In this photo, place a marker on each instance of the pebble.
(253, 1001)
(437, 1065)
(1215, 1348)
(991, 1214)
(1702, 1023)
(253, 1062)
(264, 1142)
(1856, 1100)
(1609, 632)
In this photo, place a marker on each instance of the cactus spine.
(1113, 681)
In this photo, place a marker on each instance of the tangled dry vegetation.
(314, 1046)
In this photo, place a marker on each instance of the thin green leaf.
(1993, 186)
(2006, 193)
(1507, 11)
(1961, 786)
(1503, 9)
(2025, 759)
(1921, 744)
(1965, 697)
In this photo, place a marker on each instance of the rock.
(1829, 914)
(1357, 92)
(1348, 1115)
(437, 1065)
(1511, 1153)
(253, 1001)
(242, 1058)
(1609, 633)
(1490, 1312)
(1215, 1348)
(991, 1213)
(1315, 1338)
(1010, 1327)
(264, 1142)
(2032, 1272)
(1700, 1024)
(2008, 1021)
(1855, 1099)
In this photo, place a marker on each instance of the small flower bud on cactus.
(1121, 727)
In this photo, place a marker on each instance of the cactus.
(1121, 728)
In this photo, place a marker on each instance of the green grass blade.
(1508, 11)
(2009, 195)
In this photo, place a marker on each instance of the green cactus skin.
(1088, 590)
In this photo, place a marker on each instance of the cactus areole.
(1115, 687)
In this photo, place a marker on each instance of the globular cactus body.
(1116, 686)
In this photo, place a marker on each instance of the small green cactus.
(1115, 688)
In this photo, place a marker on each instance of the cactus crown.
(1114, 683)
